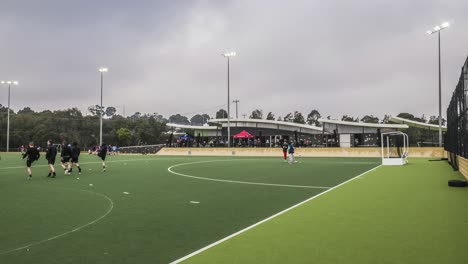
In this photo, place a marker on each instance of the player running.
(33, 154)
(65, 157)
(285, 151)
(102, 152)
(75, 154)
(51, 153)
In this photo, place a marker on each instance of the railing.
(456, 139)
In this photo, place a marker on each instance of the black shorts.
(29, 163)
(74, 160)
(103, 158)
(65, 159)
(51, 161)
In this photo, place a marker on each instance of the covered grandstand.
(357, 134)
(421, 134)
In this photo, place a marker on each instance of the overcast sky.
(340, 57)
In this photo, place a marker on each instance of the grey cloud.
(341, 57)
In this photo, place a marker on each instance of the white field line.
(267, 219)
(71, 231)
(231, 181)
(93, 162)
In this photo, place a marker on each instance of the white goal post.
(391, 141)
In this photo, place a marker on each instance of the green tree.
(256, 114)
(270, 116)
(288, 118)
(370, 119)
(26, 110)
(408, 116)
(221, 114)
(197, 120)
(434, 120)
(96, 110)
(298, 118)
(313, 117)
(179, 119)
(349, 119)
(124, 136)
(110, 111)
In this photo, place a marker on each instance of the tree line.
(71, 125)
(138, 129)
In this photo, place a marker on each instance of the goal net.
(394, 148)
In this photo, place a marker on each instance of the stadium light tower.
(102, 71)
(9, 83)
(438, 29)
(228, 55)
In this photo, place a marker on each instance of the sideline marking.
(231, 181)
(71, 231)
(267, 219)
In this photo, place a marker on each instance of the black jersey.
(51, 152)
(32, 153)
(75, 152)
(102, 151)
(66, 151)
(285, 148)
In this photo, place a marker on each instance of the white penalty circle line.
(71, 231)
(232, 181)
(267, 219)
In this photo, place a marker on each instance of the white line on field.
(267, 219)
(238, 182)
(71, 231)
(94, 162)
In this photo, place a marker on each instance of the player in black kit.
(65, 157)
(33, 154)
(102, 154)
(51, 153)
(75, 154)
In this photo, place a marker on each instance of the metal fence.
(456, 138)
(146, 149)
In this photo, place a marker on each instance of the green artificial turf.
(394, 214)
(157, 221)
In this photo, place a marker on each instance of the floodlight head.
(2, 82)
(445, 25)
(15, 83)
(103, 69)
(437, 28)
(8, 82)
(229, 54)
(429, 32)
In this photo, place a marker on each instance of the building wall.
(305, 152)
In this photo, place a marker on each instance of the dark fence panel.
(456, 138)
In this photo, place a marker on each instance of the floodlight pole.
(440, 96)
(228, 56)
(101, 110)
(102, 71)
(228, 106)
(8, 121)
(437, 30)
(9, 83)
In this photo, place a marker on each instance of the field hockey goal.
(394, 148)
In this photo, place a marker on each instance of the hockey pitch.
(157, 209)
